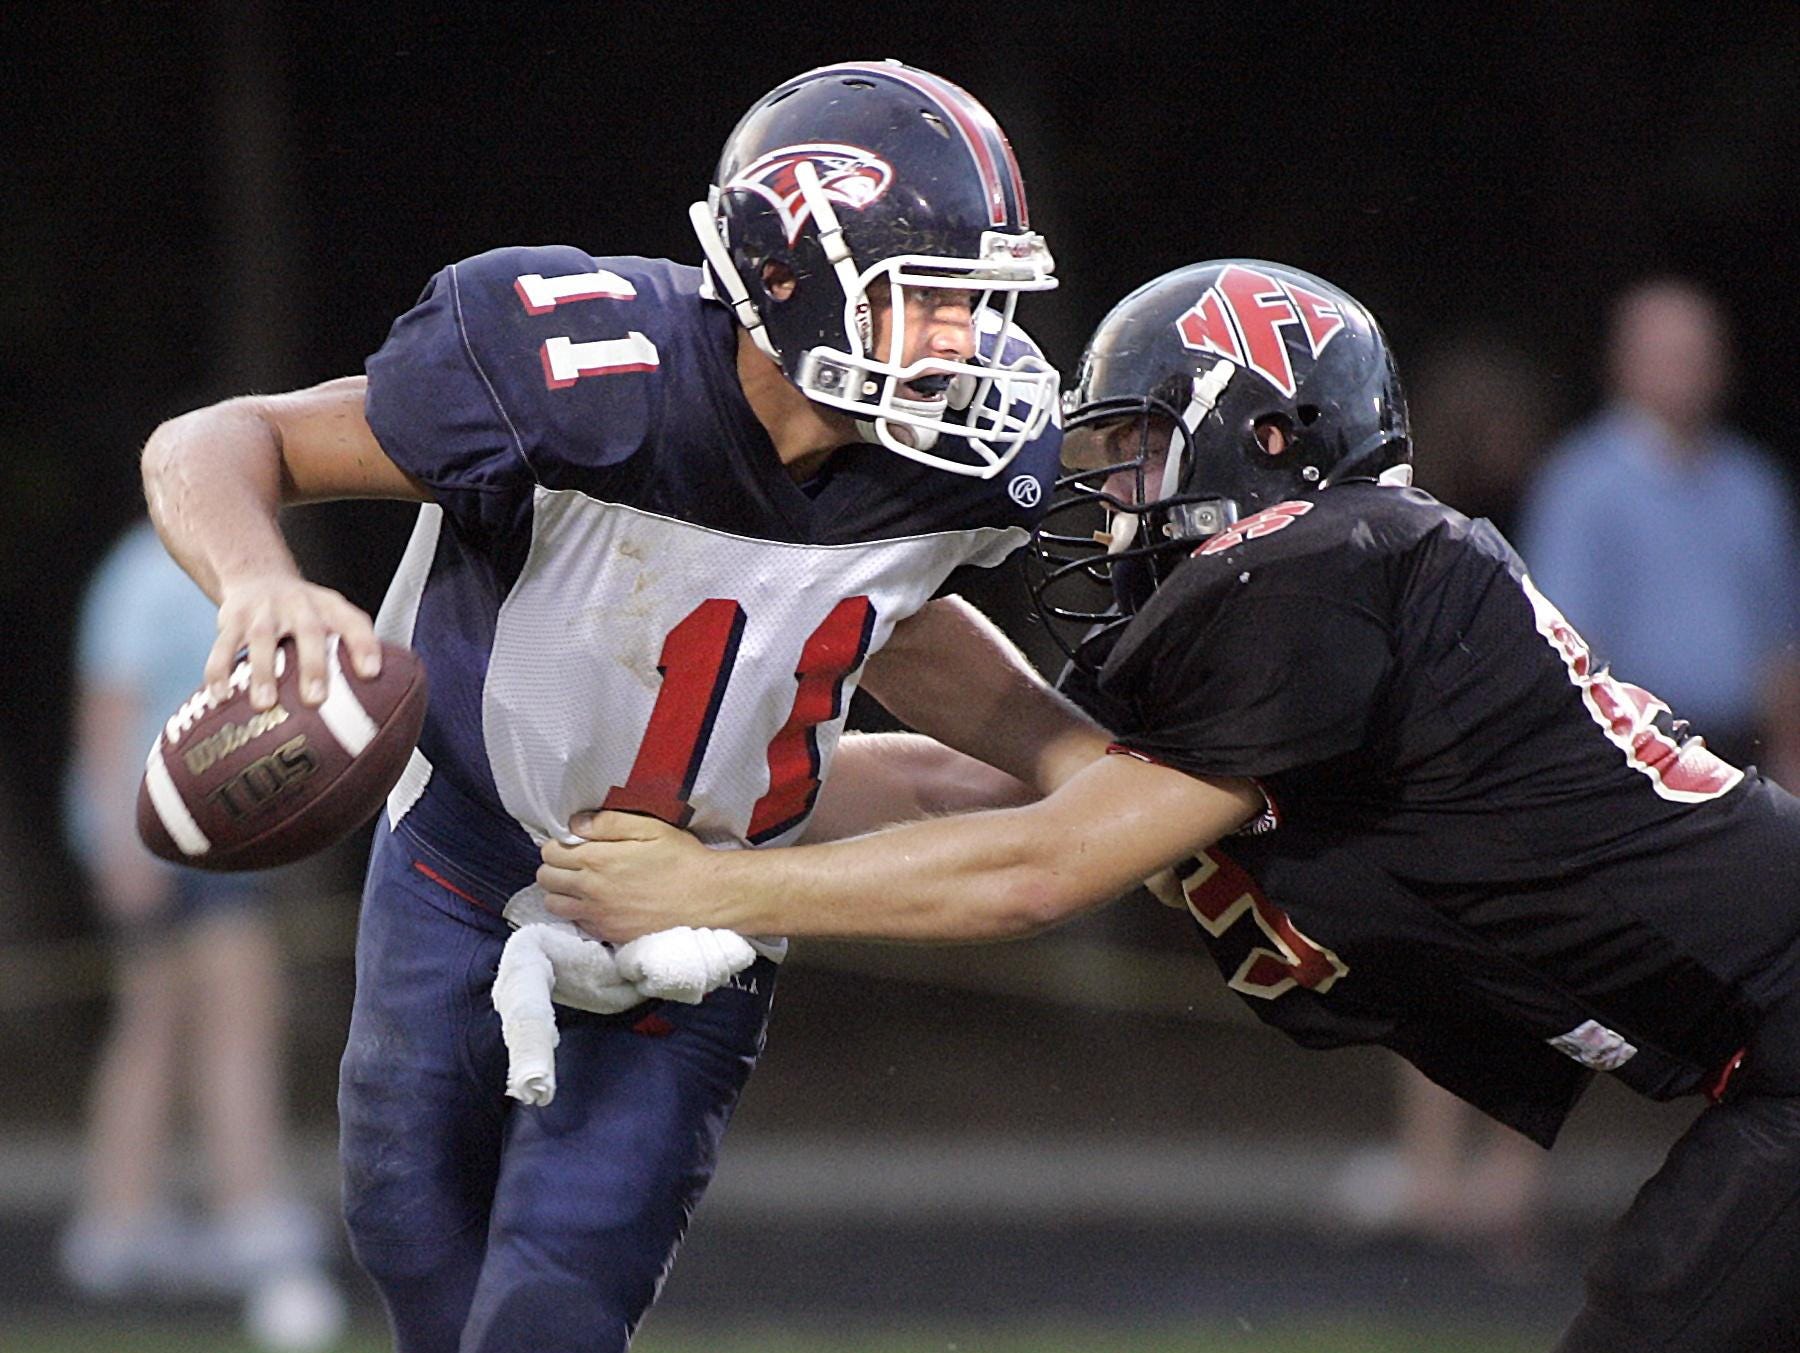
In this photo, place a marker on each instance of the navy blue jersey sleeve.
(1253, 671)
(529, 366)
(439, 419)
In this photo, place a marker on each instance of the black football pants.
(1707, 1258)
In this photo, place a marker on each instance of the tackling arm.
(949, 672)
(982, 876)
(878, 779)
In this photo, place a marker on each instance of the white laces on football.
(203, 699)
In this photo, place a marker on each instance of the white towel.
(527, 1023)
(548, 959)
(685, 963)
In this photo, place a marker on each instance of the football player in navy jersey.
(673, 517)
(1402, 800)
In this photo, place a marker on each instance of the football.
(228, 786)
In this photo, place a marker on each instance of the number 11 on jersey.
(566, 361)
(696, 663)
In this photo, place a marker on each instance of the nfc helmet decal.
(1240, 317)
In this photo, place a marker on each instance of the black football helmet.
(857, 174)
(1171, 428)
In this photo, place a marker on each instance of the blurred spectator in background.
(1452, 1177)
(1669, 540)
(1482, 410)
(198, 1000)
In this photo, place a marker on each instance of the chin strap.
(885, 432)
(1206, 392)
(706, 227)
(837, 253)
(1207, 389)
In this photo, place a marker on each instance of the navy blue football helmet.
(857, 175)
(1205, 396)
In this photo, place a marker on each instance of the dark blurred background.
(206, 199)
(209, 198)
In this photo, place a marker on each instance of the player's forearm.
(984, 876)
(878, 779)
(213, 480)
(950, 672)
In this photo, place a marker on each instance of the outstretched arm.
(983, 876)
(216, 480)
(949, 672)
(879, 779)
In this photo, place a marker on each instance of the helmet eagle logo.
(848, 175)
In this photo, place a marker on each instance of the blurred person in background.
(1451, 1177)
(198, 999)
(1484, 408)
(1669, 539)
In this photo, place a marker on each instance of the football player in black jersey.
(1402, 800)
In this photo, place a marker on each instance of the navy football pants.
(490, 1227)
(1707, 1259)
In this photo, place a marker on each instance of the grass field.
(37, 1334)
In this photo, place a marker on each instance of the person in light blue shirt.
(198, 993)
(143, 633)
(1667, 538)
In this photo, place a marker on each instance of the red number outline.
(1271, 519)
(696, 663)
(1684, 773)
(564, 360)
(1220, 893)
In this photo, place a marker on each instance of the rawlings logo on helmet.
(848, 176)
(1241, 315)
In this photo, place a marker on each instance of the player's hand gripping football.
(630, 875)
(258, 612)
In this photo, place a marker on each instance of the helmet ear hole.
(1274, 433)
(778, 280)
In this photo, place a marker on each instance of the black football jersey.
(1483, 849)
